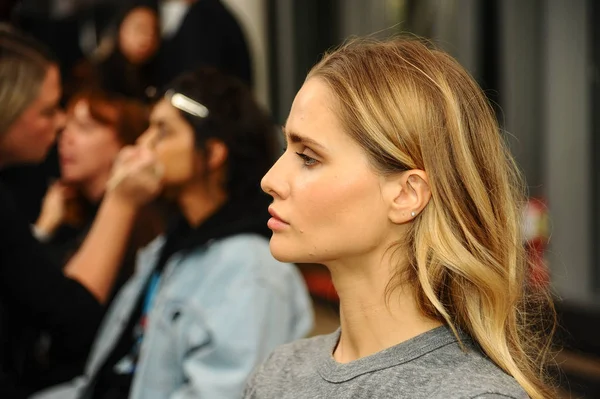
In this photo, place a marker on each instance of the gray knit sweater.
(431, 365)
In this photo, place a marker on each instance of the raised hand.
(136, 176)
(53, 210)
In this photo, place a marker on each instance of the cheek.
(335, 200)
(338, 214)
(133, 42)
(42, 127)
(41, 131)
(178, 163)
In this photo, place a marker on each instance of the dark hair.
(235, 118)
(24, 63)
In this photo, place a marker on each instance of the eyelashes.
(308, 161)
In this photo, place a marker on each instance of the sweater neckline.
(404, 352)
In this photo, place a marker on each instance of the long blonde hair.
(411, 106)
(23, 67)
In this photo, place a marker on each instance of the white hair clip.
(186, 104)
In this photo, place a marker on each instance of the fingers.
(142, 161)
(137, 174)
(126, 154)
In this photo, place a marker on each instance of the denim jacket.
(219, 311)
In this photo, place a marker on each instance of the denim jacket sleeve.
(226, 342)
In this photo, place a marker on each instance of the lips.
(275, 215)
(66, 161)
(276, 223)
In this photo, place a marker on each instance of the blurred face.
(172, 139)
(138, 35)
(327, 202)
(33, 133)
(87, 148)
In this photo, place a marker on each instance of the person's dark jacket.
(34, 293)
(209, 35)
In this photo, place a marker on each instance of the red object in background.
(318, 281)
(536, 235)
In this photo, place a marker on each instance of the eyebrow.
(159, 122)
(299, 139)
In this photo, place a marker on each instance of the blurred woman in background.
(208, 302)
(125, 63)
(34, 292)
(98, 126)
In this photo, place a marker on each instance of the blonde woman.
(396, 178)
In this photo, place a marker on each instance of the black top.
(49, 363)
(209, 35)
(117, 75)
(35, 293)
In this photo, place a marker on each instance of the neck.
(373, 318)
(198, 201)
(94, 189)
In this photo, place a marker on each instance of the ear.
(407, 194)
(216, 154)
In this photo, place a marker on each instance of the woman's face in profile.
(31, 136)
(138, 35)
(327, 198)
(172, 139)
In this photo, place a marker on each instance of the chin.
(69, 178)
(286, 253)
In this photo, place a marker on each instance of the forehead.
(164, 111)
(80, 110)
(312, 111)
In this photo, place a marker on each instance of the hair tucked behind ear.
(413, 107)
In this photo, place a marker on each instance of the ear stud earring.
(413, 214)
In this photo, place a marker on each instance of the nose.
(146, 139)
(274, 182)
(65, 136)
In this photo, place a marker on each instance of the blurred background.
(536, 59)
